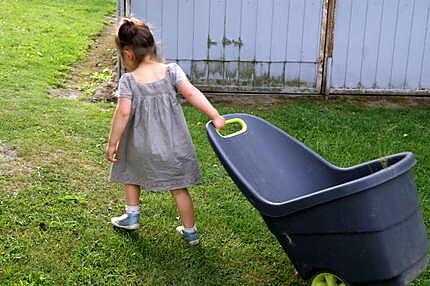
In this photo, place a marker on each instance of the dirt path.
(95, 77)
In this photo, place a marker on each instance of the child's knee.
(178, 192)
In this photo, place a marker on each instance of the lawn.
(56, 201)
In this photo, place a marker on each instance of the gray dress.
(155, 150)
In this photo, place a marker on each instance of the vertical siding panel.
(154, 17)
(247, 51)
(232, 36)
(169, 42)
(418, 38)
(355, 47)
(340, 48)
(185, 34)
(371, 43)
(201, 29)
(138, 9)
(144, 9)
(248, 28)
(386, 43)
(402, 40)
(365, 31)
(200, 43)
(396, 26)
(348, 43)
(294, 42)
(232, 29)
(216, 34)
(425, 67)
(378, 50)
(263, 40)
(408, 53)
(287, 27)
(278, 43)
(303, 27)
(416, 47)
(185, 29)
(310, 48)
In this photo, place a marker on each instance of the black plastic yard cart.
(339, 226)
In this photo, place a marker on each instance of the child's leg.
(132, 194)
(185, 205)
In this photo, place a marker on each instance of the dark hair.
(136, 36)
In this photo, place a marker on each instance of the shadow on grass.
(173, 262)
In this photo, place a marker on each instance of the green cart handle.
(242, 124)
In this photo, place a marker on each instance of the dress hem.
(179, 184)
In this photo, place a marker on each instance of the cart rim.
(327, 279)
(273, 209)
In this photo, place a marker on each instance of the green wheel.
(327, 279)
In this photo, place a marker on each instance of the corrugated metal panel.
(241, 45)
(381, 46)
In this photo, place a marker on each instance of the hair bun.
(127, 21)
(127, 30)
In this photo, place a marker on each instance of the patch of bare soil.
(7, 154)
(12, 166)
(95, 77)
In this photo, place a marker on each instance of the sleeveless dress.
(155, 151)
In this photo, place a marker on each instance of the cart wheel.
(327, 279)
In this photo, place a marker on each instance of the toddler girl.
(149, 142)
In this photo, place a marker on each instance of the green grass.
(53, 218)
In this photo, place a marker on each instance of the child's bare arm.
(198, 100)
(119, 121)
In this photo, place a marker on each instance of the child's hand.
(219, 122)
(111, 151)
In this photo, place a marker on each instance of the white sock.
(132, 209)
(190, 229)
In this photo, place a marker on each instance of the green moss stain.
(246, 76)
(216, 70)
(199, 70)
(231, 72)
(276, 81)
(246, 71)
(262, 80)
